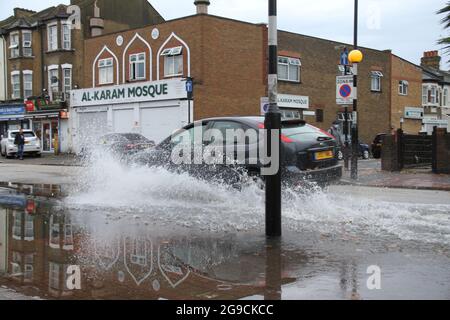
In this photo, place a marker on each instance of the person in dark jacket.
(19, 141)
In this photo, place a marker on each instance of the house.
(435, 93)
(45, 54)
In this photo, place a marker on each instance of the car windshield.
(27, 134)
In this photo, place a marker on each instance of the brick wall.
(403, 70)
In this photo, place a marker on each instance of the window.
(137, 66)
(67, 80)
(27, 84)
(290, 114)
(139, 252)
(173, 61)
(319, 115)
(66, 36)
(54, 233)
(432, 95)
(403, 87)
(53, 275)
(106, 71)
(27, 42)
(53, 83)
(52, 34)
(289, 69)
(375, 77)
(445, 97)
(424, 95)
(17, 226)
(15, 82)
(14, 47)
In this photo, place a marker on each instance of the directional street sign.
(344, 58)
(345, 91)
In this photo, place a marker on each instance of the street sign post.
(345, 91)
(190, 95)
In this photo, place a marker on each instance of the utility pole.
(273, 123)
(355, 57)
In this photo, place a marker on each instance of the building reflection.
(38, 244)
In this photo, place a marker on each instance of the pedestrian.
(335, 131)
(19, 141)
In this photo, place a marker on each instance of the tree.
(446, 22)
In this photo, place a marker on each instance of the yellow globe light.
(355, 56)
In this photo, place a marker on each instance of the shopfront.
(12, 117)
(153, 109)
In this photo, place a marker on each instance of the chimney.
(97, 24)
(202, 6)
(431, 59)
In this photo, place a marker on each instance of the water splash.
(155, 194)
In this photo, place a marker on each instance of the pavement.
(64, 168)
(371, 175)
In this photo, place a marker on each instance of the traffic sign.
(344, 58)
(189, 86)
(345, 90)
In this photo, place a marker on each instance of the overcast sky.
(408, 27)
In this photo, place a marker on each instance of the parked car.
(32, 144)
(307, 152)
(364, 151)
(377, 144)
(120, 144)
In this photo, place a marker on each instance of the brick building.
(228, 61)
(45, 57)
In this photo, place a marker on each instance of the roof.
(434, 75)
(32, 20)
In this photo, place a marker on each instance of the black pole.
(273, 122)
(189, 110)
(355, 134)
(345, 149)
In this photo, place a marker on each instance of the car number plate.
(324, 155)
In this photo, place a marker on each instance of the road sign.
(264, 105)
(345, 91)
(189, 86)
(344, 58)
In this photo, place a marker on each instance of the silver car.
(32, 144)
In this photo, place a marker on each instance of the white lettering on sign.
(130, 93)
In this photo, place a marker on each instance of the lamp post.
(355, 57)
(273, 123)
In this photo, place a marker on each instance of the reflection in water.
(126, 260)
(126, 256)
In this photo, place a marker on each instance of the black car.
(308, 153)
(121, 145)
(377, 144)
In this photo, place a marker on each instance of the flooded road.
(145, 233)
(171, 251)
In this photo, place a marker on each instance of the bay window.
(27, 42)
(52, 35)
(66, 36)
(14, 46)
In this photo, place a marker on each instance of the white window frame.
(15, 44)
(29, 227)
(289, 62)
(424, 95)
(403, 87)
(106, 68)
(375, 78)
(52, 42)
(27, 46)
(15, 93)
(444, 101)
(17, 226)
(51, 85)
(27, 85)
(133, 65)
(65, 85)
(66, 44)
(173, 57)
